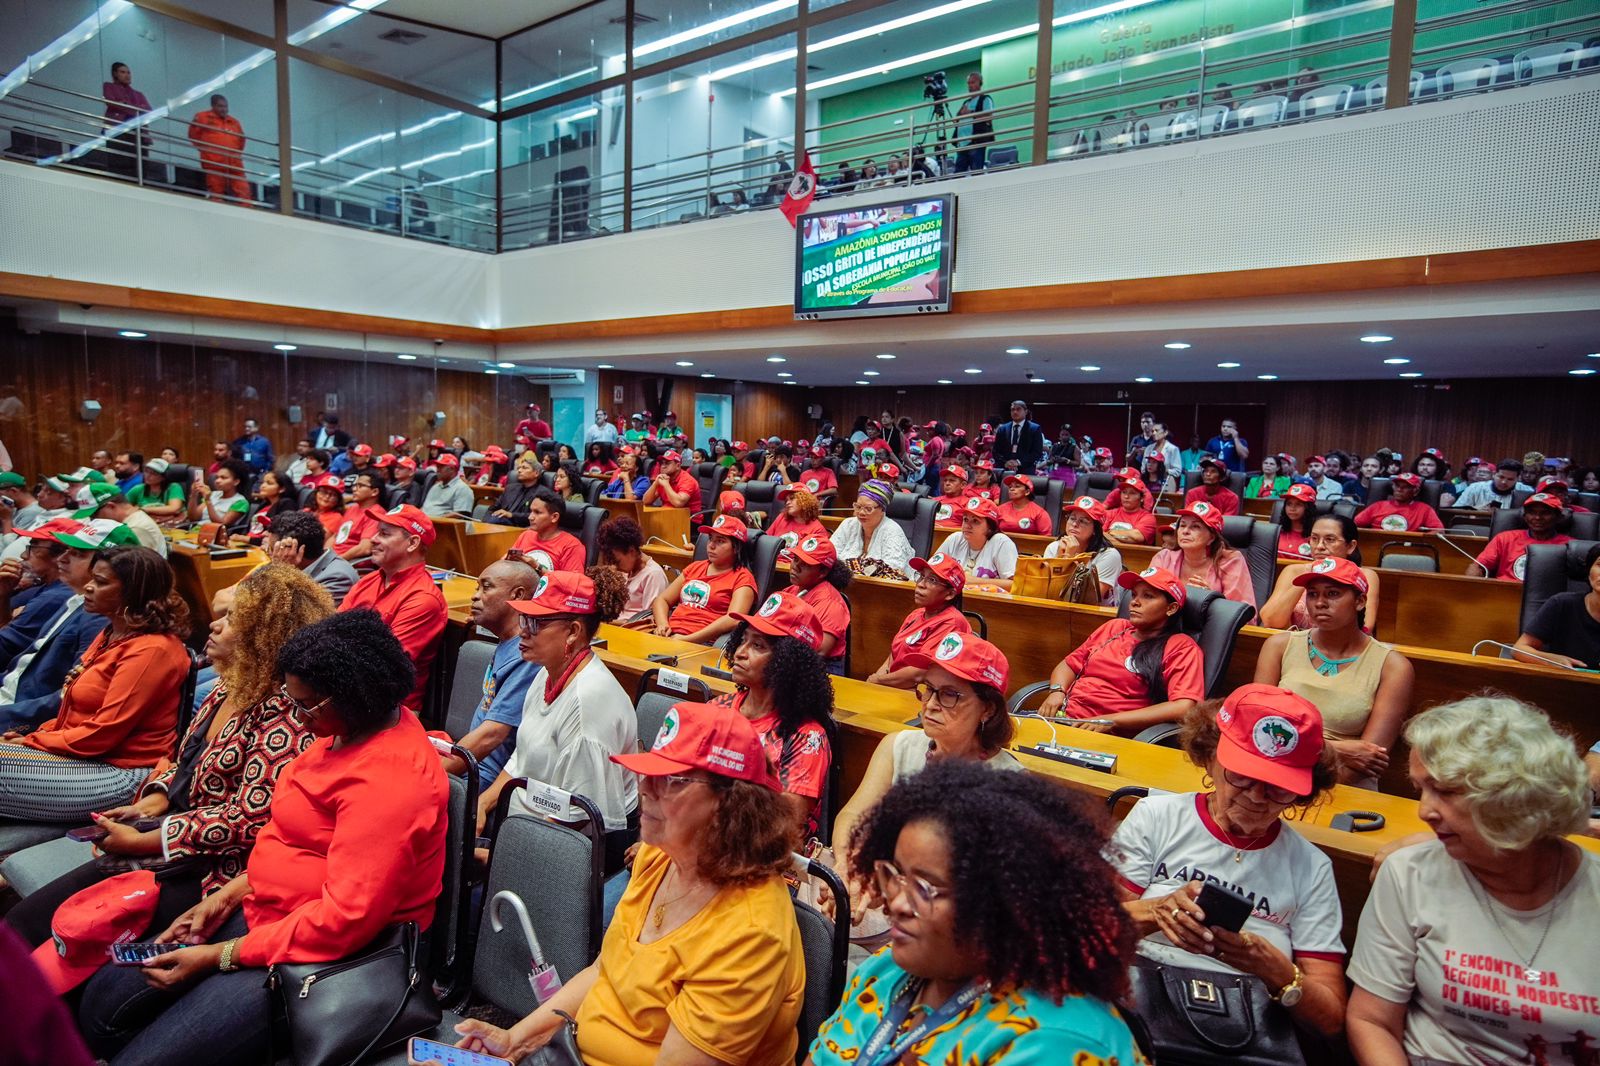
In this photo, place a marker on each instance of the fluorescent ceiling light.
(1411, 374)
(545, 85)
(286, 347)
(407, 356)
(506, 366)
(890, 355)
(604, 366)
(776, 359)
(860, 382)
(1177, 346)
(1144, 380)
(1266, 377)
(1398, 360)
(685, 362)
(791, 383)
(1376, 338)
(82, 33)
(869, 373)
(946, 381)
(491, 370)
(131, 333)
(708, 374)
(1089, 368)
(1581, 372)
(785, 374)
(1037, 381)
(1227, 366)
(714, 26)
(1016, 351)
(1592, 355)
(972, 370)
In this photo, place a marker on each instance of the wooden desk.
(467, 546)
(486, 493)
(671, 524)
(1451, 559)
(199, 577)
(626, 654)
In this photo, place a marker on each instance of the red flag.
(801, 189)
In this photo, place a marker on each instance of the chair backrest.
(1259, 542)
(1544, 60)
(765, 564)
(1348, 508)
(1466, 75)
(191, 680)
(1214, 622)
(1326, 100)
(1408, 560)
(1004, 156)
(557, 872)
(1048, 493)
(979, 624)
(827, 947)
(1591, 500)
(652, 700)
(709, 475)
(921, 532)
(1261, 111)
(1096, 483)
(466, 686)
(451, 951)
(759, 496)
(584, 522)
(1212, 118)
(1154, 130)
(1552, 568)
(1581, 526)
(394, 496)
(1383, 488)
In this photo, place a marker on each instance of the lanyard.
(873, 1052)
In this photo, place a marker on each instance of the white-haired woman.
(1480, 946)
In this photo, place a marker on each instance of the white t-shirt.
(889, 543)
(144, 527)
(224, 504)
(998, 559)
(1168, 841)
(569, 743)
(910, 752)
(1107, 567)
(1427, 941)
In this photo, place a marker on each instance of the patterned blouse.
(230, 794)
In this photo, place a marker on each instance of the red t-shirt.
(1506, 557)
(596, 468)
(414, 609)
(802, 760)
(1221, 497)
(921, 631)
(991, 491)
(331, 521)
(1139, 521)
(684, 482)
(356, 527)
(832, 612)
(705, 596)
(562, 551)
(794, 532)
(356, 842)
(1031, 518)
(819, 481)
(1106, 682)
(948, 516)
(1386, 514)
(1292, 544)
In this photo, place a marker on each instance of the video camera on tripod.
(934, 86)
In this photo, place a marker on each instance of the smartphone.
(445, 1055)
(1223, 907)
(89, 834)
(137, 954)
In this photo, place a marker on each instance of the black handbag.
(562, 1050)
(339, 1011)
(1210, 1018)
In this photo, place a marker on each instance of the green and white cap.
(84, 474)
(97, 492)
(93, 534)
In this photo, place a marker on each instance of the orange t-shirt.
(705, 596)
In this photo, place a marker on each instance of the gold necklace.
(1227, 838)
(658, 914)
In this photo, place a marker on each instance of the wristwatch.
(1290, 994)
(1057, 688)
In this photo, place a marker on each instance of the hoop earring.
(1205, 780)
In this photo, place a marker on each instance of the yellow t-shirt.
(732, 978)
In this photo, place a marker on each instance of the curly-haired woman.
(799, 517)
(205, 809)
(703, 962)
(1006, 938)
(119, 706)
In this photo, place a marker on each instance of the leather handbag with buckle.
(1209, 1018)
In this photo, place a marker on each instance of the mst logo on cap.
(720, 521)
(770, 608)
(1200, 508)
(1322, 566)
(949, 647)
(1275, 736)
(936, 559)
(544, 583)
(668, 731)
(810, 544)
(1148, 571)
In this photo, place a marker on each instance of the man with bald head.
(493, 732)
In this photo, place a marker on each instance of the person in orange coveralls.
(219, 139)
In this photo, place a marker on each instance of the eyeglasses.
(532, 625)
(931, 580)
(665, 786)
(1271, 792)
(300, 708)
(863, 508)
(891, 882)
(948, 698)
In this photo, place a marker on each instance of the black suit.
(1022, 441)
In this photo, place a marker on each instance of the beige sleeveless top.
(1345, 699)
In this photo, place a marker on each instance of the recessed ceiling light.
(686, 362)
(861, 382)
(286, 347)
(791, 383)
(407, 356)
(1144, 380)
(1594, 355)
(1376, 338)
(869, 373)
(1177, 346)
(1398, 360)
(1266, 377)
(1227, 366)
(785, 374)
(708, 374)
(506, 366)
(776, 359)
(946, 381)
(132, 334)
(972, 370)
(890, 355)
(1581, 372)
(1036, 381)
(445, 360)
(1016, 351)
(491, 370)
(604, 366)
(1412, 374)
(1090, 367)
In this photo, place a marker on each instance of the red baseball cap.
(671, 457)
(407, 518)
(1544, 499)
(495, 452)
(329, 481)
(819, 453)
(943, 567)
(1270, 734)
(731, 501)
(986, 428)
(789, 490)
(361, 449)
(1316, 459)
(85, 926)
(397, 441)
(558, 592)
(533, 407)
(966, 655)
(1339, 571)
(1087, 506)
(739, 446)
(1212, 462)
(670, 414)
(888, 470)
(729, 526)
(1551, 482)
(384, 460)
(1209, 513)
(705, 736)
(983, 507)
(955, 471)
(437, 444)
(785, 614)
(407, 462)
(930, 425)
(1302, 492)
(1102, 452)
(1163, 581)
(819, 551)
(448, 459)
(1434, 454)
(1414, 480)
(1128, 473)
(984, 464)
(1019, 479)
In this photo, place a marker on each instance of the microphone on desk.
(1526, 651)
(1440, 533)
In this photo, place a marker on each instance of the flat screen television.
(881, 259)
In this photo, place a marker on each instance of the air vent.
(401, 36)
(639, 19)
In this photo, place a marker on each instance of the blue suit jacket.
(39, 690)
